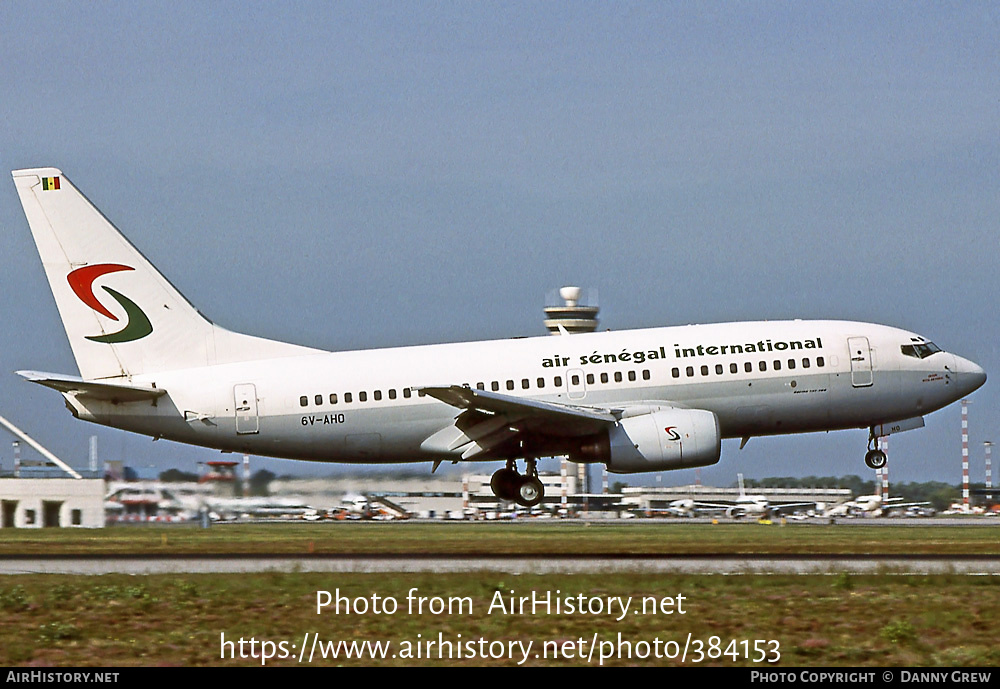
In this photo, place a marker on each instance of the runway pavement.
(721, 564)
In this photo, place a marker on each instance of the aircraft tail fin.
(122, 317)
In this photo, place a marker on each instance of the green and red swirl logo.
(137, 326)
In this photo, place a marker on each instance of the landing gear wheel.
(530, 492)
(875, 459)
(504, 483)
(527, 490)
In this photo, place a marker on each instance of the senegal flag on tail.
(50, 183)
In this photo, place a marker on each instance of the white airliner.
(638, 400)
(753, 505)
(871, 506)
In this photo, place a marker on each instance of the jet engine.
(660, 439)
(736, 512)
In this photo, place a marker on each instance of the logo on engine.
(672, 433)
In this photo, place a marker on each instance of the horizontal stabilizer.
(108, 392)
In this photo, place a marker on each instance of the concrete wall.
(34, 503)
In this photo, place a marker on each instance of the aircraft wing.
(109, 392)
(712, 506)
(903, 505)
(593, 418)
(778, 508)
(489, 419)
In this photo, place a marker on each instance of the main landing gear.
(874, 458)
(526, 490)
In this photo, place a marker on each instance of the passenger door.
(245, 397)
(861, 362)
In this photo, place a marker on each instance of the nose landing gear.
(526, 490)
(874, 458)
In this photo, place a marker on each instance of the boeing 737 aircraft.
(637, 400)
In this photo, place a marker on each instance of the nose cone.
(970, 375)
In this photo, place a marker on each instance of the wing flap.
(468, 429)
(480, 430)
(482, 446)
(488, 420)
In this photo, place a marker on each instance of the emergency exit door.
(245, 397)
(576, 388)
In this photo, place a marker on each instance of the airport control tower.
(573, 315)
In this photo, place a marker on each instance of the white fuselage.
(759, 378)
(639, 400)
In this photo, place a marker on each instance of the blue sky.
(350, 175)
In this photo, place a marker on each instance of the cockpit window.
(920, 351)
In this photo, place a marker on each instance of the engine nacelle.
(736, 512)
(660, 440)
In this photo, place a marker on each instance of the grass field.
(537, 538)
(775, 620)
(808, 620)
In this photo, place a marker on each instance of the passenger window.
(575, 379)
(618, 376)
(675, 372)
(480, 386)
(604, 378)
(319, 400)
(590, 379)
(631, 375)
(805, 363)
(689, 371)
(510, 385)
(748, 367)
(347, 398)
(777, 365)
(733, 368)
(495, 386)
(645, 374)
(718, 369)
(791, 363)
(820, 362)
(362, 397)
(762, 366)
(557, 381)
(378, 395)
(406, 393)
(333, 398)
(525, 384)
(704, 370)
(304, 401)
(392, 393)
(541, 383)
